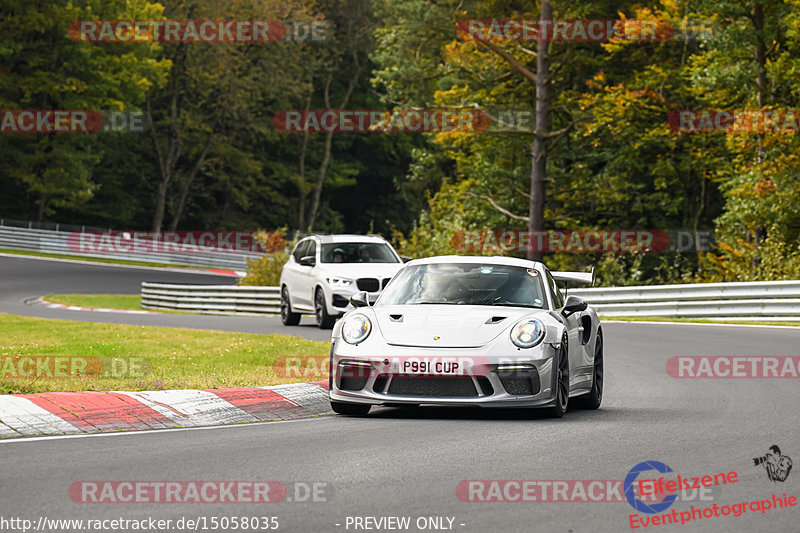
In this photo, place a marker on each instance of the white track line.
(725, 325)
(148, 431)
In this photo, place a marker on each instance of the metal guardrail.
(759, 300)
(752, 300)
(51, 241)
(211, 299)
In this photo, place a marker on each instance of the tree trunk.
(161, 200)
(166, 161)
(759, 54)
(186, 185)
(538, 147)
(326, 158)
(301, 185)
(40, 209)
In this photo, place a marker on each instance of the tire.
(324, 320)
(350, 409)
(595, 396)
(561, 382)
(287, 317)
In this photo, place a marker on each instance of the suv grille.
(385, 282)
(367, 284)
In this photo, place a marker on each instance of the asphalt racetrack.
(408, 463)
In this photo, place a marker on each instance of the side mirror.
(405, 258)
(360, 299)
(308, 261)
(574, 305)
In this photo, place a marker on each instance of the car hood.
(446, 326)
(360, 270)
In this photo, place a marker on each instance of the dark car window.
(358, 252)
(466, 283)
(299, 250)
(558, 298)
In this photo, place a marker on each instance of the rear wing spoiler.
(583, 278)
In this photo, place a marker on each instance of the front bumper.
(492, 381)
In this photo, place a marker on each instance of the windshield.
(358, 252)
(467, 284)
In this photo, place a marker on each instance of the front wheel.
(595, 396)
(324, 320)
(562, 381)
(350, 409)
(287, 317)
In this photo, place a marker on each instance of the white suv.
(325, 270)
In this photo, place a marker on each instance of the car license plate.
(434, 367)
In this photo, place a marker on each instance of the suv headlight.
(527, 333)
(339, 282)
(356, 328)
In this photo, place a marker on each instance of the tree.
(43, 69)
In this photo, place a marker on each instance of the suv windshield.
(466, 283)
(358, 252)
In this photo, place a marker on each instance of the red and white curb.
(235, 273)
(51, 305)
(65, 413)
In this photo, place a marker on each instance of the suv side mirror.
(360, 299)
(405, 258)
(574, 305)
(308, 261)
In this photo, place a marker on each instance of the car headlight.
(528, 333)
(339, 282)
(356, 328)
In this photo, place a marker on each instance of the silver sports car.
(479, 331)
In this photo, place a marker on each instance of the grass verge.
(107, 301)
(697, 320)
(142, 357)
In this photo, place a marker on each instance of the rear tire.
(324, 320)
(561, 381)
(350, 409)
(595, 396)
(287, 317)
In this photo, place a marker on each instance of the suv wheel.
(287, 317)
(324, 320)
